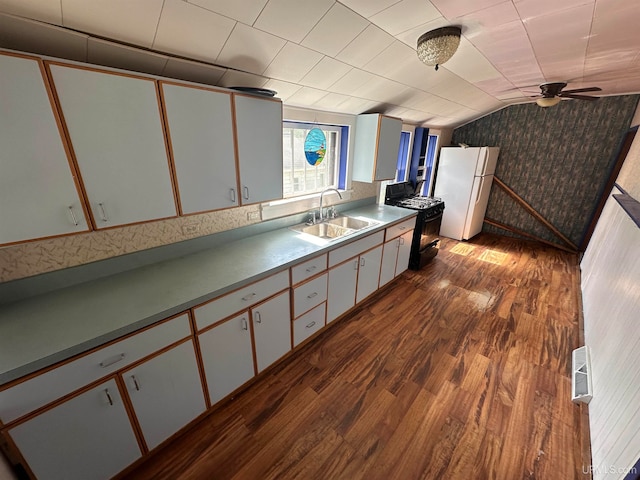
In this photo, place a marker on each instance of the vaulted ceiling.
(348, 56)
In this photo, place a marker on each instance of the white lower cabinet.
(395, 257)
(227, 356)
(368, 273)
(87, 436)
(341, 295)
(271, 330)
(166, 393)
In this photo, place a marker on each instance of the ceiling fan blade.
(579, 90)
(579, 97)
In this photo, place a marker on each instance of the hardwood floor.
(459, 371)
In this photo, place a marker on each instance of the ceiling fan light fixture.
(437, 46)
(548, 101)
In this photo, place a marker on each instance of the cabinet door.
(227, 356)
(272, 330)
(369, 273)
(388, 146)
(38, 196)
(200, 129)
(88, 436)
(114, 124)
(259, 130)
(166, 393)
(341, 294)
(404, 251)
(389, 260)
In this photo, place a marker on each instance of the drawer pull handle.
(109, 399)
(311, 324)
(362, 261)
(110, 361)
(311, 295)
(258, 317)
(73, 216)
(248, 297)
(309, 270)
(246, 192)
(402, 228)
(103, 214)
(401, 241)
(232, 193)
(135, 382)
(245, 324)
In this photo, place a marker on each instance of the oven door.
(430, 234)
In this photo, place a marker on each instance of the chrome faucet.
(322, 195)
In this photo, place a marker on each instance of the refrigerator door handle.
(479, 192)
(484, 164)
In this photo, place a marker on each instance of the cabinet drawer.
(308, 324)
(399, 228)
(310, 294)
(27, 396)
(341, 254)
(234, 302)
(308, 269)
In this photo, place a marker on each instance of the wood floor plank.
(458, 371)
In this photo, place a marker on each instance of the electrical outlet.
(190, 228)
(253, 215)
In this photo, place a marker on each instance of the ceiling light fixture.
(548, 101)
(438, 46)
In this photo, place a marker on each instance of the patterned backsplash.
(558, 159)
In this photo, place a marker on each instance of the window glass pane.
(299, 176)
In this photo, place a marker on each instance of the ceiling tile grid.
(348, 56)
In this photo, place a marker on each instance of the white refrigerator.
(464, 181)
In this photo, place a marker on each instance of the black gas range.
(424, 245)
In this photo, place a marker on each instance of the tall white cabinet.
(259, 130)
(114, 123)
(200, 132)
(38, 195)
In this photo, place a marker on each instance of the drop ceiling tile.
(335, 30)
(356, 106)
(457, 8)
(368, 8)
(489, 18)
(193, 71)
(410, 37)
(234, 78)
(292, 19)
(249, 49)
(469, 63)
(131, 22)
(292, 63)
(529, 9)
(365, 46)
(191, 31)
(405, 15)
(325, 73)
(245, 11)
(392, 59)
(351, 83)
(331, 101)
(18, 33)
(283, 89)
(49, 11)
(101, 52)
(383, 90)
(306, 96)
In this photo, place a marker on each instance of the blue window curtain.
(403, 155)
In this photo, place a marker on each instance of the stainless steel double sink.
(334, 228)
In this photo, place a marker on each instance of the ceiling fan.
(552, 93)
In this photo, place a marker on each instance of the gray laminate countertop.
(42, 330)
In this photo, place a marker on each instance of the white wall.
(611, 302)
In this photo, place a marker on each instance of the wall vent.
(581, 389)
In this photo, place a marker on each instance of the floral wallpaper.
(558, 159)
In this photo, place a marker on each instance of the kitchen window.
(302, 178)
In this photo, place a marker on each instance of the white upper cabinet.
(200, 132)
(376, 146)
(38, 195)
(259, 130)
(115, 128)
